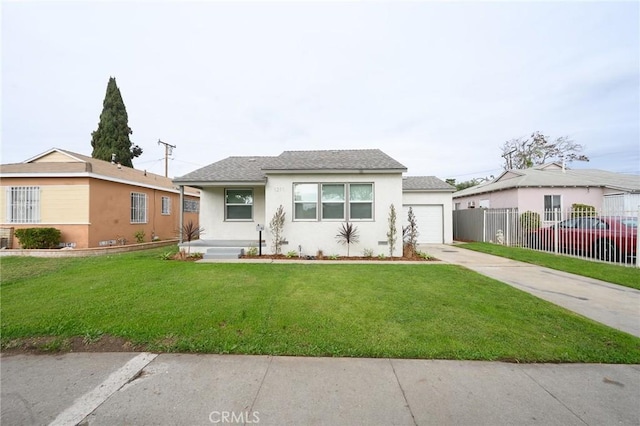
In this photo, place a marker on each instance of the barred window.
(166, 205)
(23, 204)
(138, 207)
(191, 206)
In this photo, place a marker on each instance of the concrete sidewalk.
(145, 389)
(610, 304)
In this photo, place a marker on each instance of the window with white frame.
(238, 204)
(333, 201)
(551, 204)
(191, 206)
(360, 201)
(337, 201)
(305, 201)
(138, 207)
(23, 204)
(166, 206)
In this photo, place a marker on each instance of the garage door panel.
(429, 219)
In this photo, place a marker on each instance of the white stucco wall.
(433, 198)
(321, 234)
(212, 215)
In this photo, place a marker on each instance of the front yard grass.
(381, 310)
(627, 276)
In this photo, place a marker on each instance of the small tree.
(410, 234)
(190, 232)
(348, 234)
(276, 226)
(392, 234)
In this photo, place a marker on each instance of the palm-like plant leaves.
(348, 234)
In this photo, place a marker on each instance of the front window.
(239, 204)
(191, 206)
(361, 201)
(551, 204)
(24, 204)
(333, 201)
(166, 205)
(305, 200)
(138, 207)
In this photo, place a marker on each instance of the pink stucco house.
(551, 186)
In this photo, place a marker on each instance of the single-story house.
(92, 202)
(319, 191)
(551, 186)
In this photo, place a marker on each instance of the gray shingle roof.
(254, 169)
(231, 169)
(353, 159)
(535, 177)
(425, 183)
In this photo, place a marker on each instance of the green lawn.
(381, 310)
(623, 275)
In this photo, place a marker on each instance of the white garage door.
(429, 219)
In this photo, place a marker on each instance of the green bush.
(582, 210)
(530, 221)
(39, 238)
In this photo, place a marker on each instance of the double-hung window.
(360, 201)
(166, 205)
(305, 200)
(23, 204)
(333, 201)
(238, 204)
(138, 207)
(551, 204)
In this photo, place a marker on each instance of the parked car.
(606, 238)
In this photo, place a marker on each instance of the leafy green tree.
(112, 135)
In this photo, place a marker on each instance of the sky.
(439, 86)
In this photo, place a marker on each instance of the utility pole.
(168, 149)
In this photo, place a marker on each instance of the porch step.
(224, 253)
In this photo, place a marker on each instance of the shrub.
(319, 254)
(139, 236)
(410, 233)
(334, 257)
(292, 253)
(39, 238)
(252, 251)
(191, 231)
(367, 252)
(348, 234)
(530, 221)
(582, 210)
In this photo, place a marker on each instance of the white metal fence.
(582, 233)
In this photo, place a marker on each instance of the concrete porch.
(222, 249)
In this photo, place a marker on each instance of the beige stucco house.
(92, 202)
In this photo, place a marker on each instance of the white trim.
(9, 224)
(332, 171)
(94, 176)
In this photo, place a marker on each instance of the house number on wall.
(279, 189)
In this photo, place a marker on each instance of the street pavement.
(188, 389)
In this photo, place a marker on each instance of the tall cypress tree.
(112, 135)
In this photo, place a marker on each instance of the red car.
(606, 238)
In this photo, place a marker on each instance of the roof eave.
(210, 183)
(333, 171)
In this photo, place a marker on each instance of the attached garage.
(431, 201)
(430, 220)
